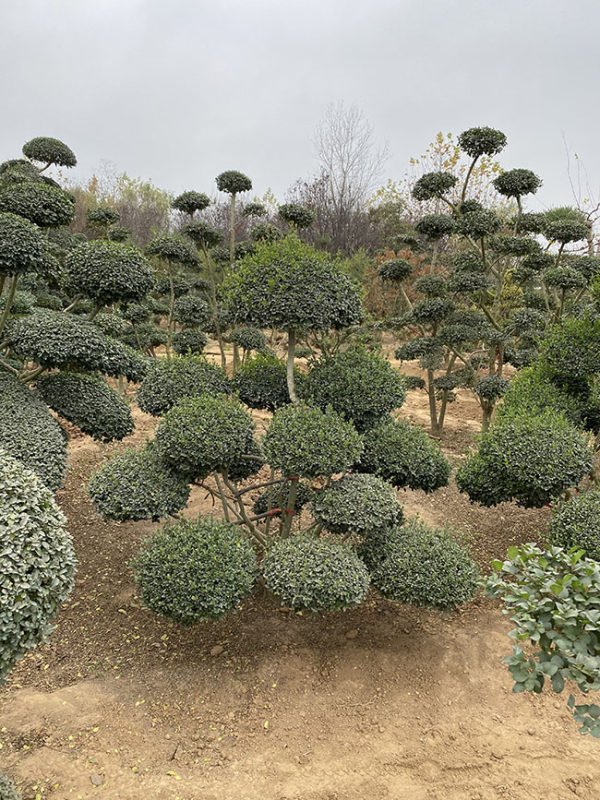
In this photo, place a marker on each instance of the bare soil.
(381, 702)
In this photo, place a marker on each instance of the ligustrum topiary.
(424, 567)
(88, 402)
(576, 523)
(404, 455)
(138, 485)
(21, 246)
(261, 382)
(315, 574)
(359, 385)
(168, 381)
(29, 433)
(527, 459)
(189, 342)
(46, 150)
(46, 206)
(37, 561)
(303, 441)
(8, 791)
(191, 311)
(109, 272)
(204, 434)
(355, 503)
(195, 570)
(249, 339)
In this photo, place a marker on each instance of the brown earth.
(381, 702)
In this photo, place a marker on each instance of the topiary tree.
(359, 385)
(576, 523)
(315, 574)
(296, 215)
(102, 217)
(189, 342)
(191, 311)
(167, 382)
(189, 202)
(553, 598)
(37, 561)
(195, 570)
(290, 286)
(233, 183)
(249, 339)
(46, 206)
(46, 150)
(261, 382)
(138, 485)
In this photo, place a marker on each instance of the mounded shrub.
(169, 380)
(174, 250)
(102, 216)
(8, 791)
(435, 226)
(37, 561)
(203, 235)
(433, 184)
(303, 441)
(405, 456)
(572, 349)
(249, 339)
(576, 523)
(88, 402)
(21, 245)
(46, 206)
(311, 574)
(189, 202)
(233, 182)
(138, 485)
(527, 459)
(360, 386)
(191, 311)
(112, 324)
(109, 272)
(297, 215)
(189, 342)
(355, 503)
(517, 182)
(424, 567)
(195, 570)
(29, 433)
(395, 269)
(532, 391)
(261, 382)
(204, 434)
(484, 141)
(46, 150)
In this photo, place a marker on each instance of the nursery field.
(382, 701)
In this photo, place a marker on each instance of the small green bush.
(189, 342)
(46, 206)
(109, 272)
(249, 339)
(191, 311)
(424, 567)
(395, 269)
(360, 386)
(204, 434)
(303, 441)
(233, 182)
(527, 459)
(355, 503)
(88, 402)
(8, 791)
(21, 245)
(433, 184)
(195, 570)
(404, 455)
(46, 150)
(315, 574)
(169, 380)
(37, 561)
(261, 382)
(576, 523)
(138, 485)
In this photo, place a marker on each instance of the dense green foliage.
(21, 246)
(37, 561)
(576, 523)
(311, 574)
(46, 206)
(46, 150)
(261, 382)
(362, 504)
(169, 380)
(138, 485)
(233, 182)
(109, 272)
(195, 570)
(189, 342)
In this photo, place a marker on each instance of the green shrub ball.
(204, 434)
(297, 215)
(37, 561)
(576, 523)
(517, 182)
(88, 402)
(109, 272)
(424, 567)
(261, 382)
(358, 385)
(433, 184)
(233, 182)
(46, 206)
(21, 246)
(169, 380)
(249, 339)
(405, 456)
(191, 311)
(195, 570)
(138, 485)
(435, 226)
(356, 503)
(395, 269)
(46, 150)
(189, 342)
(303, 441)
(190, 202)
(477, 142)
(311, 574)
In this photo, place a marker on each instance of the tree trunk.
(290, 366)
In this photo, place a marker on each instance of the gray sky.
(179, 90)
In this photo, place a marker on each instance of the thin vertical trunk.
(9, 301)
(432, 403)
(290, 366)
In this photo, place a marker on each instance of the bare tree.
(350, 163)
(587, 199)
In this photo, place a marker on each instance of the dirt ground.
(381, 702)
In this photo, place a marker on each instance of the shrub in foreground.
(169, 380)
(195, 570)
(357, 503)
(576, 523)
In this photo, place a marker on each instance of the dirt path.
(380, 702)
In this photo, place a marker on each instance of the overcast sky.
(179, 90)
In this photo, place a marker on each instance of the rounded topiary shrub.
(204, 434)
(233, 182)
(249, 338)
(360, 386)
(46, 206)
(576, 523)
(109, 272)
(169, 380)
(311, 574)
(191, 311)
(424, 567)
(29, 432)
(261, 382)
(88, 402)
(47, 150)
(37, 561)
(303, 441)
(395, 269)
(529, 459)
(357, 503)
(404, 455)
(138, 485)
(21, 245)
(195, 570)
(247, 463)
(189, 342)
(189, 202)
(8, 791)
